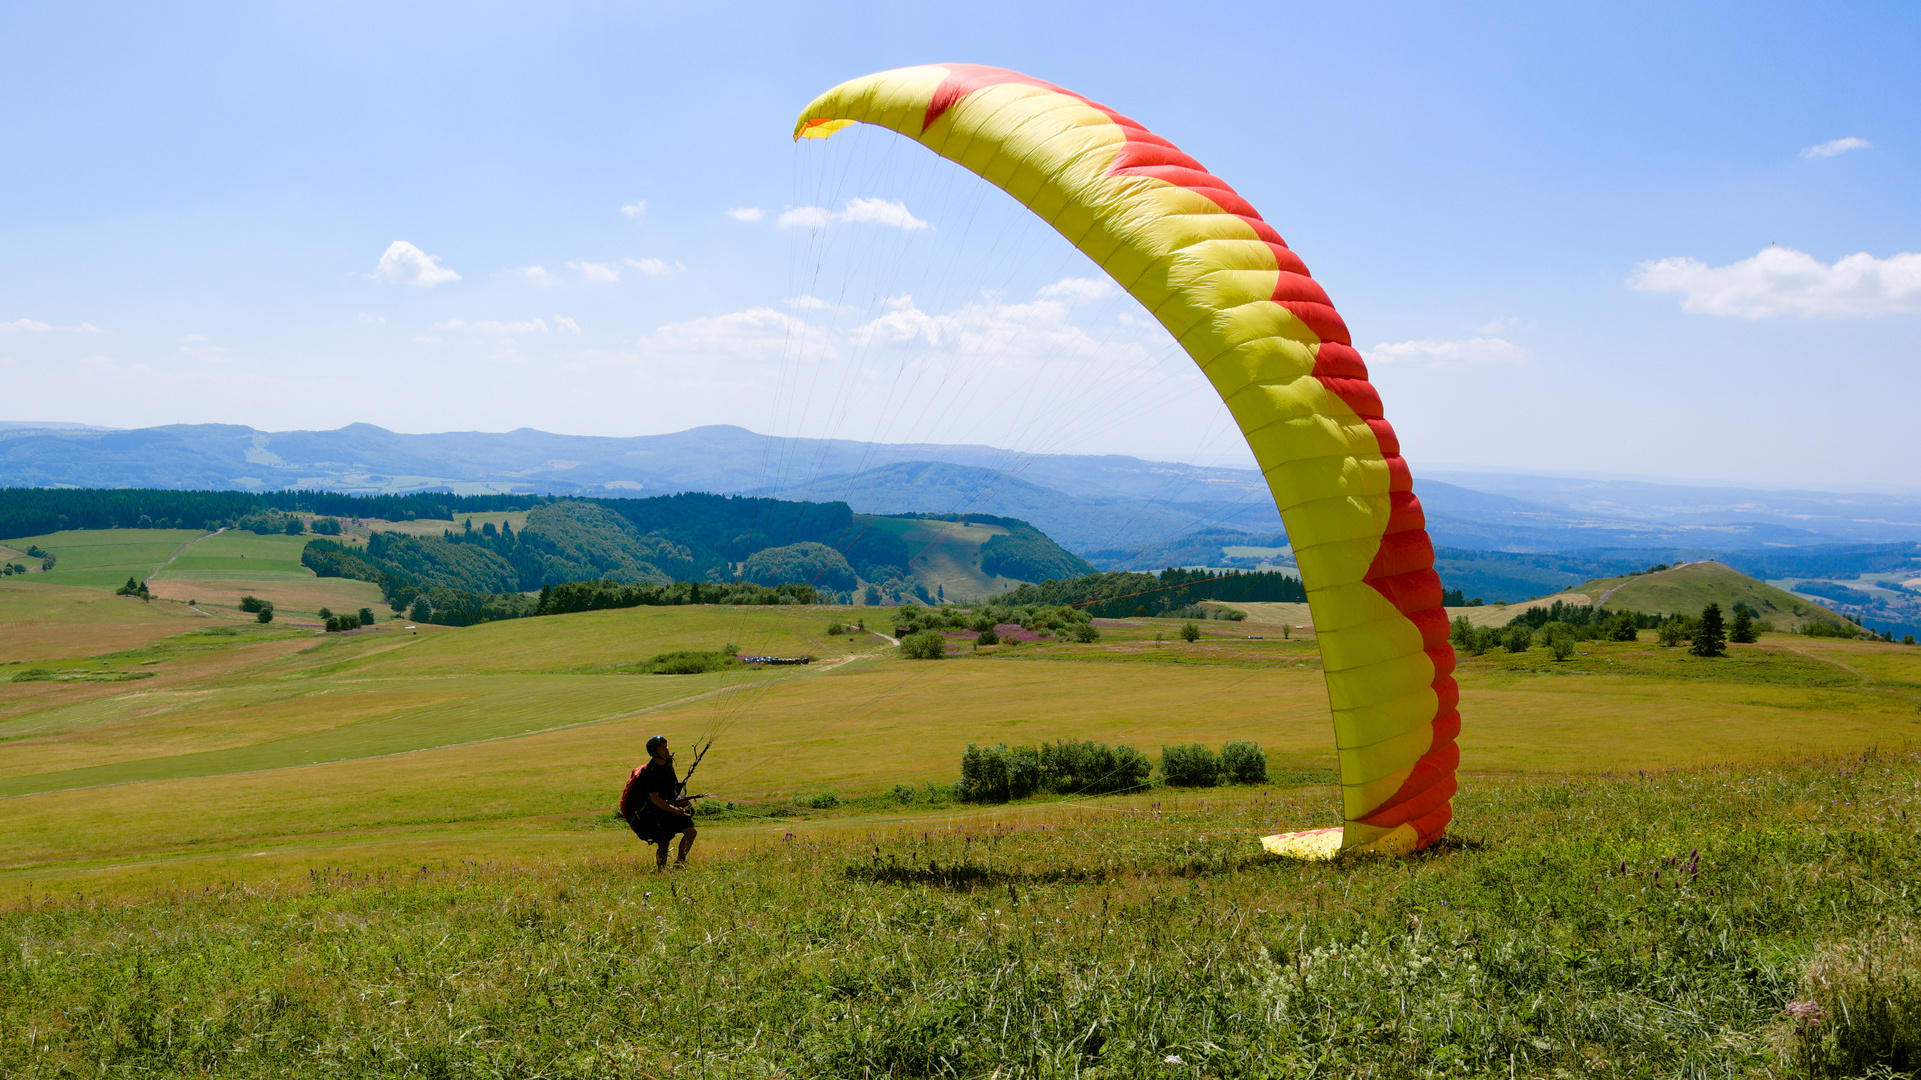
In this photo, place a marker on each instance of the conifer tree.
(1711, 638)
(1742, 630)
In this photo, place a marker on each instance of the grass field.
(234, 849)
(946, 554)
(515, 733)
(106, 558)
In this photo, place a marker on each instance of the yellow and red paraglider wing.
(1223, 282)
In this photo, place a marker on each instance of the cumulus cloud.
(1473, 352)
(889, 212)
(1837, 146)
(1078, 290)
(538, 274)
(637, 208)
(746, 213)
(565, 325)
(760, 334)
(493, 326)
(405, 264)
(1782, 281)
(35, 326)
(600, 273)
(654, 267)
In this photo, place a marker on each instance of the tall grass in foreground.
(1627, 926)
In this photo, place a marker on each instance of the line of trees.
(1121, 594)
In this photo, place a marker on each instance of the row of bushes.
(999, 773)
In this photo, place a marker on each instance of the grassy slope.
(946, 553)
(105, 558)
(264, 735)
(1627, 926)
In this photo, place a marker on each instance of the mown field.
(236, 849)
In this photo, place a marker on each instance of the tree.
(1560, 643)
(926, 645)
(253, 604)
(1742, 631)
(1517, 638)
(1710, 637)
(1671, 632)
(1190, 632)
(366, 616)
(265, 616)
(1625, 628)
(988, 636)
(294, 527)
(325, 613)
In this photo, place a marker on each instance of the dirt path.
(178, 550)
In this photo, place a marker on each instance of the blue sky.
(1600, 238)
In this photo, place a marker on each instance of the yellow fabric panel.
(1268, 360)
(1367, 644)
(1230, 254)
(1400, 840)
(1355, 690)
(1360, 799)
(1384, 721)
(1313, 845)
(1348, 605)
(1376, 760)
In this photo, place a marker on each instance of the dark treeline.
(33, 511)
(1120, 594)
(1581, 615)
(602, 595)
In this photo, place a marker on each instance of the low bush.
(988, 636)
(824, 800)
(1189, 765)
(1517, 638)
(998, 773)
(1244, 762)
(1190, 632)
(686, 662)
(924, 645)
(1073, 767)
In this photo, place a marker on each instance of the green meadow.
(243, 849)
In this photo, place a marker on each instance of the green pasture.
(278, 746)
(238, 553)
(1656, 925)
(105, 558)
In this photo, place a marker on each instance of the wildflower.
(1173, 1059)
(1808, 1013)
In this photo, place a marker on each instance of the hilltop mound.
(1689, 587)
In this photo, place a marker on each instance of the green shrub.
(265, 616)
(825, 800)
(1190, 765)
(988, 637)
(1244, 762)
(835, 629)
(1072, 767)
(1190, 632)
(998, 773)
(367, 616)
(1517, 638)
(255, 604)
(1560, 646)
(686, 662)
(925, 645)
(1085, 633)
(904, 794)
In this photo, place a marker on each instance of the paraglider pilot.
(654, 807)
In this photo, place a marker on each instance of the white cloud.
(888, 212)
(405, 264)
(655, 267)
(1490, 329)
(761, 334)
(492, 326)
(366, 318)
(808, 303)
(1078, 290)
(35, 326)
(746, 213)
(1782, 281)
(1837, 146)
(565, 325)
(600, 273)
(193, 339)
(538, 274)
(637, 208)
(1474, 352)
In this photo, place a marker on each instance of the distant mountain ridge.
(1117, 511)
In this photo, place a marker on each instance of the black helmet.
(656, 741)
